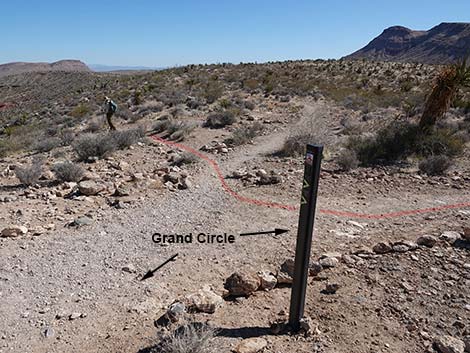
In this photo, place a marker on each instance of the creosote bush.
(101, 145)
(295, 144)
(221, 119)
(347, 160)
(29, 175)
(435, 165)
(244, 134)
(400, 140)
(68, 171)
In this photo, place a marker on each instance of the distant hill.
(62, 65)
(109, 68)
(442, 44)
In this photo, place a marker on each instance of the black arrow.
(151, 273)
(276, 231)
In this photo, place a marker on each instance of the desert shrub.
(150, 107)
(435, 165)
(94, 125)
(391, 143)
(66, 137)
(47, 144)
(125, 114)
(213, 91)
(93, 145)
(347, 160)
(440, 142)
(244, 134)
(184, 158)
(125, 138)
(220, 119)
(160, 125)
(68, 171)
(295, 144)
(190, 338)
(80, 111)
(249, 105)
(399, 140)
(29, 175)
(179, 130)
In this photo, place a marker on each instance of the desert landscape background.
(390, 265)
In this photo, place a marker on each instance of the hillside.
(442, 44)
(22, 67)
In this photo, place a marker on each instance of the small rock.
(81, 221)
(466, 234)
(242, 283)
(185, 183)
(427, 240)
(329, 262)
(49, 332)
(401, 248)
(382, 248)
(449, 344)
(331, 288)
(285, 274)
(129, 268)
(466, 340)
(251, 345)
(171, 177)
(90, 187)
(74, 316)
(314, 268)
(204, 301)
(268, 280)
(13, 231)
(450, 236)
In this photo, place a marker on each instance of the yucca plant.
(447, 83)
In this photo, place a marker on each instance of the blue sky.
(167, 33)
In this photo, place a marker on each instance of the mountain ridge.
(19, 67)
(442, 44)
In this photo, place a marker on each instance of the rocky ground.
(73, 254)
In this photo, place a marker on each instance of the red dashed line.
(241, 198)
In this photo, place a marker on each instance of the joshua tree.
(447, 83)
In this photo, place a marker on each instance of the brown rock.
(382, 248)
(89, 187)
(13, 231)
(242, 283)
(427, 240)
(449, 344)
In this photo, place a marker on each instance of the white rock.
(268, 280)
(449, 344)
(251, 345)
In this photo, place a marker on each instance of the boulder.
(427, 240)
(251, 345)
(90, 187)
(242, 283)
(449, 344)
(13, 231)
(466, 233)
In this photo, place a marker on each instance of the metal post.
(305, 234)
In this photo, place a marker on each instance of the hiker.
(111, 108)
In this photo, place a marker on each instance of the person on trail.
(111, 108)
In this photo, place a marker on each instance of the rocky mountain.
(441, 44)
(62, 65)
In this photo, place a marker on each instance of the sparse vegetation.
(184, 158)
(221, 119)
(347, 160)
(190, 338)
(435, 165)
(29, 175)
(68, 171)
(244, 134)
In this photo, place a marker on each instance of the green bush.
(400, 140)
(93, 145)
